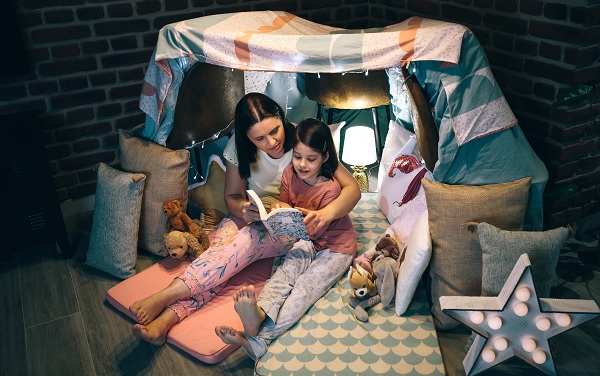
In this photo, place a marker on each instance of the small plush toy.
(180, 245)
(178, 220)
(364, 292)
(386, 264)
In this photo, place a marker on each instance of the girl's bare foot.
(245, 306)
(147, 309)
(156, 331)
(233, 337)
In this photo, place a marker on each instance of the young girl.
(310, 267)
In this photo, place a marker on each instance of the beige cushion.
(114, 236)
(166, 173)
(209, 196)
(456, 263)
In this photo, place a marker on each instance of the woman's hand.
(250, 212)
(316, 221)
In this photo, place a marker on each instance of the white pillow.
(407, 216)
(401, 183)
(418, 254)
(396, 138)
(336, 129)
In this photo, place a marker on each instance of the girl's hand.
(316, 221)
(279, 204)
(250, 212)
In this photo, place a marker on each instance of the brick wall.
(537, 49)
(88, 59)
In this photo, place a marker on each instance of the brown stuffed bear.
(180, 245)
(364, 292)
(178, 220)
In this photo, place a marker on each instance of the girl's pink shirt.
(340, 236)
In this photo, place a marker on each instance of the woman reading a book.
(256, 157)
(312, 266)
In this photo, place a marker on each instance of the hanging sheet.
(281, 42)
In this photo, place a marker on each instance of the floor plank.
(13, 358)
(48, 292)
(59, 347)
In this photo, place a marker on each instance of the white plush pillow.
(416, 259)
(395, 140)
(403, 174)
(335, 132)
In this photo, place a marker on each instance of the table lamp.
(359, 152)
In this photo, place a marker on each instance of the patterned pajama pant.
(304, 277)
(234, 245)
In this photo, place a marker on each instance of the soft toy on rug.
(383, 261)
(178, 220)
(364, 292)
(180, 245)
(386, 266)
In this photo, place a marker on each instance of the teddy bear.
(178, 220)
(383, 262)
(364, 292)
(179, 245)
(386, 266)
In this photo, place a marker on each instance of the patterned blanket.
(328, 340)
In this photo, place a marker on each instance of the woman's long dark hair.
(316, 135)
(251, 109)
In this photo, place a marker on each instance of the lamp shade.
(359, 146)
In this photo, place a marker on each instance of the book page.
(254, 199)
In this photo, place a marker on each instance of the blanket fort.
(278, 41)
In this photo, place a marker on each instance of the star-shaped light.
(516, 322)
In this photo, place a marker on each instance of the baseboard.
(77, 206)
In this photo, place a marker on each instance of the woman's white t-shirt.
(265, 173)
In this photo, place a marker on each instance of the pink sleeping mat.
(194, 335)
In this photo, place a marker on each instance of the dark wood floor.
(55, 321)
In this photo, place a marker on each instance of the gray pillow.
(114, 236)
(501, 250)
(166, 173)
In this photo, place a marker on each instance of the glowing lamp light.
(359, 151)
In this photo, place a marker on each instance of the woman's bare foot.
(250, 313)
(156, 331)
(147, 309)
(233, 337)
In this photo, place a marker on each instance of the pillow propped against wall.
(114, 236)
(166, 173)
(209, 195)
(456, 262)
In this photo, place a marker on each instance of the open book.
(281, 221)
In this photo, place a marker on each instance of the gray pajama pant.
(304, 277)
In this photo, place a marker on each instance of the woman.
(256, 157)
